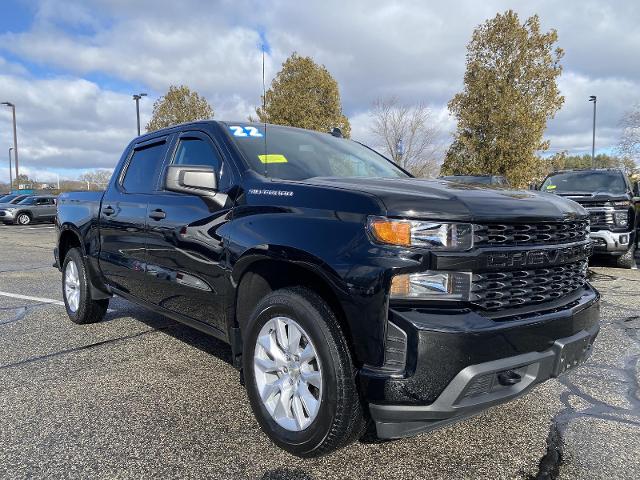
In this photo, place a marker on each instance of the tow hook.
(508, 378)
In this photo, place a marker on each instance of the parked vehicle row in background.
(25, 209)
(613, 203)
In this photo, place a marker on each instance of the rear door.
(186, 267)
(123, 218)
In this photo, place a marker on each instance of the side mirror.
(533, 186)
(193, 179)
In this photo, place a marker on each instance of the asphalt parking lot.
(139, 396)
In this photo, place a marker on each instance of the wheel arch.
(258, 273)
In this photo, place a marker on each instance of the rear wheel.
(299, 375)
(23, 219)
(81, 308)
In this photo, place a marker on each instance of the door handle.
(157, 214)
(108, 210)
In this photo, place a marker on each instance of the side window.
(142, 172)
(196, 151)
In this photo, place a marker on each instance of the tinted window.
(28, 201)
(142, 172)
(586, 181)
(194, 151)
(297, 154)
(19, 198)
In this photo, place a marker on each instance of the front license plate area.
(571, 352)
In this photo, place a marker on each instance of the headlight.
(621, 218)
(412, 233)
(432, 285)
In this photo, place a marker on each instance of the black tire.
(627, 260)
(23, 218)
(339, 419)
(88, 310)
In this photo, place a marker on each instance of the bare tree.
(406, 134)
(630, 142)
(99, 176)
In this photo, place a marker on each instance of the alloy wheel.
(72, 286)
(288, 373)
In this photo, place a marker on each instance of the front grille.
(500, 290)
(594, 204)
(498, 234)
(601, 218)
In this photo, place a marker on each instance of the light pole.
(137, 98)
(593, 99)
(15, 135)
(400, 151)
(10, 175)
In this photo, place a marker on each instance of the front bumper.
(462, 363)
(611, 242)
(6, 216)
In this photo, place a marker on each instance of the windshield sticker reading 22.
(239, 131)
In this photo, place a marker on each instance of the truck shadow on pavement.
(120, 308)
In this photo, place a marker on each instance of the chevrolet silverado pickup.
(356, 299)
(613, 205)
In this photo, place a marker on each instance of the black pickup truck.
(356, 299)
(613, 204)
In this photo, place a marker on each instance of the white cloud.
(414, 50)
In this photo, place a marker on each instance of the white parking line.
(35, 299)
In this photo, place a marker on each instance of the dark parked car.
(353, 296)
(477, 179)
(34, 208)
(613, 205)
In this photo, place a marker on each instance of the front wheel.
(23, 219)
(299, 375)
(81, 308)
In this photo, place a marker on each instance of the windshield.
(586, 181)
(7, 198)
(297, 154)
(28, 201)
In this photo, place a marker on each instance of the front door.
(123, 219)
(186, 268)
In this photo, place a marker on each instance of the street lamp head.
(138, 96)
(592, 98)
(8, 104)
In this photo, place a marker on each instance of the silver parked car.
(34, 208)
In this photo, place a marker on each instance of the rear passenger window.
(142, 172)
(195, 151)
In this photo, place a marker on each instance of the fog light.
(432, 285)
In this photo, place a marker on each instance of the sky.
(71, 67)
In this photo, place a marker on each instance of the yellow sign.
(272, 158)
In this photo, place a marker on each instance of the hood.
(442, 200)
